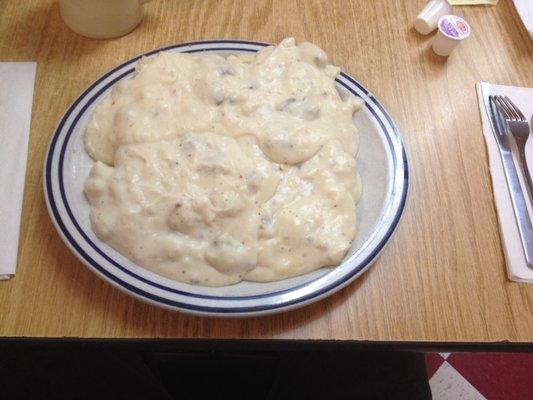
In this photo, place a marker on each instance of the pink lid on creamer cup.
(454, 27)
(452, 30)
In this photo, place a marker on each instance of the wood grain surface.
(442, 278)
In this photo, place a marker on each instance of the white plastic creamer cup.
(102, 19)
(428, 19)
(452, 30)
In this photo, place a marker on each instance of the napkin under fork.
(517, 270)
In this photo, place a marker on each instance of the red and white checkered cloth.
(474, 376)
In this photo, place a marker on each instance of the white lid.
(427, 21)
(454, 27)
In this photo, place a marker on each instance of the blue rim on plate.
(178, 296)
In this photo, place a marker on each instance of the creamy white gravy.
(211, 170)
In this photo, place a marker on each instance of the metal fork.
(523, 221)
(520, 129)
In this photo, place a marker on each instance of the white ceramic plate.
(382, 164)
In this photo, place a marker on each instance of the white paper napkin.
(525, 10)
(16, 96)
(517, 269)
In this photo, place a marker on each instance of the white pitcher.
(102, 19)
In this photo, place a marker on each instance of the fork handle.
(519, 206)
(525, 171)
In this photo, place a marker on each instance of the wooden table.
(441, 279)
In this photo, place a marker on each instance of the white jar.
(452, 31)
(102, 19)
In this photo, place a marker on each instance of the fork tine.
(510, 109)
(516, 110)
(498, 106)
(503, 108)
